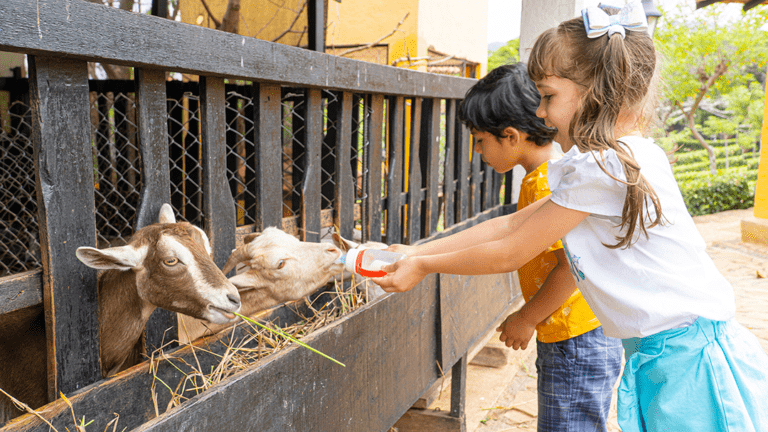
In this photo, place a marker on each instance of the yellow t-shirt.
(574, 317)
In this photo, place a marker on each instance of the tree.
(705, 55)
(506, 54)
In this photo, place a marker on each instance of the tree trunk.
(231, 19)
(710, 151)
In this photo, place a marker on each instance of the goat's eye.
(171, 261)
(280, 264)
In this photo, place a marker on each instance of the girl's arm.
(490, 230)
(548, 223)
(517, 329)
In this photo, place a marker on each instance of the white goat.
(278, 269)
(165, 265)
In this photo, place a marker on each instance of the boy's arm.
(490, 230)
(517, 329)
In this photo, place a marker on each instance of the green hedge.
(749, 173)
(702, 155)
(738, 161)
(728, 190)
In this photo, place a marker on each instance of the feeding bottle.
(368, 262)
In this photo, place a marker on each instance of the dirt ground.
(744, 265)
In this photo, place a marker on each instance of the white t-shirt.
(661, 282)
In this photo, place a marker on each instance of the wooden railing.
(368, 147)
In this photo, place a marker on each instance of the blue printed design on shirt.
(574, 261)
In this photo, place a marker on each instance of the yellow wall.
(258, 18)
(761, 194)
(363, 22)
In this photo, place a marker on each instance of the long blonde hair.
(618, 77)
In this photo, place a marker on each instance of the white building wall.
(456, 27)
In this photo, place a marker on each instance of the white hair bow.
(631, 17)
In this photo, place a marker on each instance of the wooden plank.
(465, 316)
(395, 164)
(310, 188)
(462, 171)
(430, 155)
(508, 179)
(375, 106)
(489, 188)
(218, 205)
(65, 199)
(413, 218)
(21, 290)
(344, 188)
(88, 31)
(269, 171)
(152, 123)
(449, 185)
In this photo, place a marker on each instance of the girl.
(632, 247)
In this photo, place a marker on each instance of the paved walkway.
(744, 265)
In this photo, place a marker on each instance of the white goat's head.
(173, 269)
(281, 268)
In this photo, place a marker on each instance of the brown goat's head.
(173, 269)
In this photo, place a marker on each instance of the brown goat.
(165, 265)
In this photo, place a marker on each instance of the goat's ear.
(166, 214)
(250, 237)
(343, 243)
(117, 258)
(246, 281)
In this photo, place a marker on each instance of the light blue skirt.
(709, 376)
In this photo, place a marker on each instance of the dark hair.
(618, 74)
(505, 97)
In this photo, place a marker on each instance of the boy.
(577, 365)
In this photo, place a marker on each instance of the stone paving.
(744, 265)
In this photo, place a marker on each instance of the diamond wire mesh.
(185, 156)
(117, 172)
(293, 134)
(19, 231)
(328, 154)
(241, 154)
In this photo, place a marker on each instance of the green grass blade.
(289, 337)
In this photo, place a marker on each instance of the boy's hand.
(401, 275)
(516, 331)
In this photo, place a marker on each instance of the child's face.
(499, 153)
(560, 98)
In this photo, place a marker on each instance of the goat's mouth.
(218, 312)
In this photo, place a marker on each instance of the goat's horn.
(238, 255)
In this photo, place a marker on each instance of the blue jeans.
(575, 383)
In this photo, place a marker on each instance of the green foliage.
(507, 54)
(706, 194)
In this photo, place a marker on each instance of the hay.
(258, 343)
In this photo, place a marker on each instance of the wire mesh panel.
(328, 153)
(117, 173)
(19, 232)
(185, 155)
(241, 151)
(358, 162)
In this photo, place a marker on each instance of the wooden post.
(449, 178)
(375, 106)
(344, 181)
(462, 171)
(310, 188)
(267, 130)
(218, 205)
(395, 112)
(64, 170)
(459, 390)
(413, 220)
(153, 145)
(430, 155)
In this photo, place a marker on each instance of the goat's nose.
(235, 300)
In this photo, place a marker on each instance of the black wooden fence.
(268, 135)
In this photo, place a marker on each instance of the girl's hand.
(516, 331)
(401, 275)
(401, 248)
